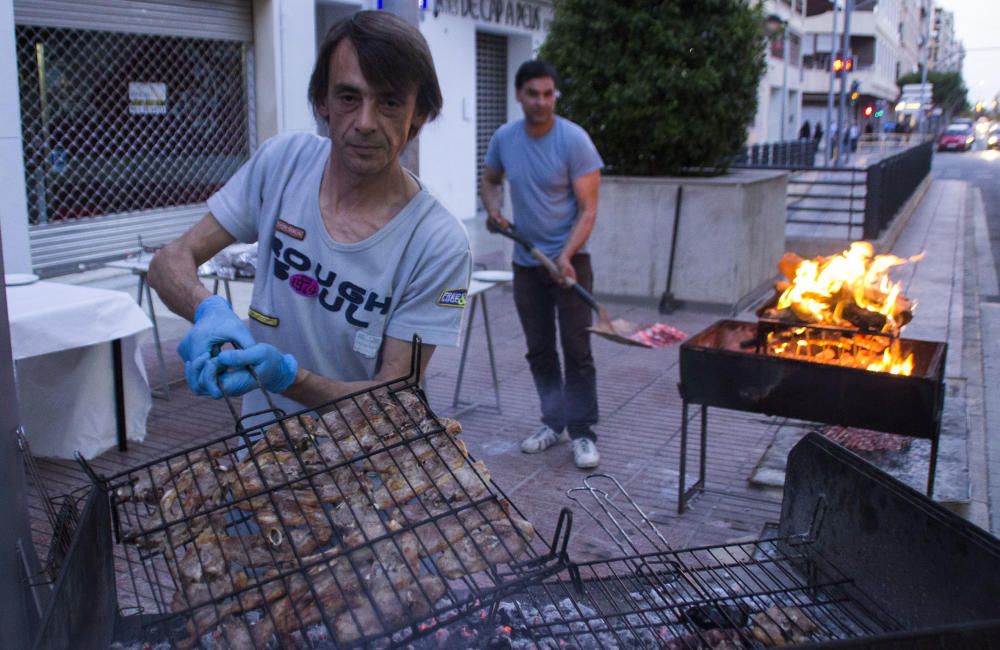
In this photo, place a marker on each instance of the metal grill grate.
(491, 92)
(771, 592)
(363, 521)
(117, 123)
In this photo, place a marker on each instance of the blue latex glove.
(275, 371)
(214, 324)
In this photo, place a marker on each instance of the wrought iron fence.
(890, 183)
(116, 123)
(796, 153)
(849, 202)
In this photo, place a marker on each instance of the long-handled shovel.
(619, 331)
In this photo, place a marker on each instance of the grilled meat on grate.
(353, 519)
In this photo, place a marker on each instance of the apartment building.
(779, 95)
(945, 53)
(885, 42)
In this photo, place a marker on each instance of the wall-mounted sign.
(526, 15)
(147, 98)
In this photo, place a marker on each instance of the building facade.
(118, 119)
(946, 53)
(886, 40)
(779, 95)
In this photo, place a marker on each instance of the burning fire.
(850, 291)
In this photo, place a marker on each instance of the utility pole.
(846, 53)
(784, 79)
(925, 37)
(829, 93)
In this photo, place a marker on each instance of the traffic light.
(868, 111)
(838, 65)
(842, 64)
(855, 92)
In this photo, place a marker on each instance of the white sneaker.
(542, 440)
(585, 453)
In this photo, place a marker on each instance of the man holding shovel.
(554, 174)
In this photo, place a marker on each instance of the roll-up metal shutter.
(133, 113)
(220, 19)
(491, 92)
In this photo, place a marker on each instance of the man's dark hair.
(533, 70)
(392, 54)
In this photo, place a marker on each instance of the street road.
(981, 167)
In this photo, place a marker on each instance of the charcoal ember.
(500, 642)
(712, 616)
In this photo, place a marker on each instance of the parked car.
(956, 137)
(993, 137)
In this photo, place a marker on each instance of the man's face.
(369, 128)
(538, 100)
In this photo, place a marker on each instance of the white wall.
(448, 145)
(14, 207)
(284, 53)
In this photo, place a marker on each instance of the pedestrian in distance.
(554, 173)
(356, 255)
(818, 133)
(804, 131)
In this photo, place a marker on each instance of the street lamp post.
(841, 109)
(926, 38)
(829, 95)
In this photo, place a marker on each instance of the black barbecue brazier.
(717, 371)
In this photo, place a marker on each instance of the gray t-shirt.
(541, 172)
(328, 303)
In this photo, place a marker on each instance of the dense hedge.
(663, 88)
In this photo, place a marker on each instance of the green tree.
(949, 93)
(665, 87)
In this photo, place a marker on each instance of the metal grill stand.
(721, 367)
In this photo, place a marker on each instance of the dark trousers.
(568, 400)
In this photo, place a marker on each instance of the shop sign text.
(526, 15)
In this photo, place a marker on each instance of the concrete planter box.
(730, 238)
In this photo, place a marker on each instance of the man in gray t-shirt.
(554, 173)
(356, 257)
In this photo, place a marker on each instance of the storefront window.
(116, 123)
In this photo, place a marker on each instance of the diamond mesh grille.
(90, 150)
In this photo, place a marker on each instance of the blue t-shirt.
(541, 172)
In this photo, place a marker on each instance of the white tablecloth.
(60, 335)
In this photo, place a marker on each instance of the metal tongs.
(660, 568)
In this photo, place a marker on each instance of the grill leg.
(704, 440)
(684, 495)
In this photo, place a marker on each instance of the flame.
(851, 290)
(823, 286)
